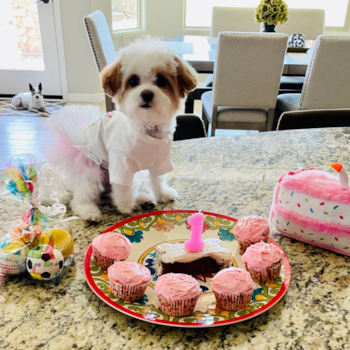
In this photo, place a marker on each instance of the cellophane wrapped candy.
(39, 243)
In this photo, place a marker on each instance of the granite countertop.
(233, 176)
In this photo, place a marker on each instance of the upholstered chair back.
(304, 21)
(327, 82)
(100, 39)
(248, 69)
(233, 19)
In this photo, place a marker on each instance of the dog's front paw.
(126, 207)
(146, 198)
(89, 212)
(146, 202)
(167, 194)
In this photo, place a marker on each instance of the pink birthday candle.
(195, 242)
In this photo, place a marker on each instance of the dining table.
(233, 176)
(200, 52)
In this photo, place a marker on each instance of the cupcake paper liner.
(245, 244)
(266, 275)
(176, 308)
(128, 292)
(102, 261)
(233, 301)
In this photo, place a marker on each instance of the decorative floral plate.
(145, 232)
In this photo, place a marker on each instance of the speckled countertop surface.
(234, 176)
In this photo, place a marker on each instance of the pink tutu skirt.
(68, 149)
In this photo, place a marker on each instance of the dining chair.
(310, 22)
(247, 73)
(314, 118)
(327, 81)
(101, 44)
(232, 19)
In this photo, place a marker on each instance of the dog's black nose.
(37, 96)
(147, 95)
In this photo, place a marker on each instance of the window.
(198, 12)
(20, 36)
(125, 14)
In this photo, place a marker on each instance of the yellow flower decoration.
(129, 232)
(105, 277)
(259, 297)
(272, 285)
(162, 225)
(272, 12)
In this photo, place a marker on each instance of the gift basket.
(39, 244)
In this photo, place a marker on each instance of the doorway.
(29, 52)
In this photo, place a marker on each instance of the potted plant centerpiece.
(270, 12)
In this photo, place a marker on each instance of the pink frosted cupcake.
(233, 288)
(178, 293)
(110, 247)
(250, 230)
(128, 280)
(263, 261)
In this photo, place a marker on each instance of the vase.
(269, 28)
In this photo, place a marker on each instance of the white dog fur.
(33, 100)
(148, 83)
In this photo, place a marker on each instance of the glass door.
(28, 47)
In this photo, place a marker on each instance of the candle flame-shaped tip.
(336, 166)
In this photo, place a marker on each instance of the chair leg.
(214, 121)
(205, 120)
(189, 104)
(270, 117)
(109, 104)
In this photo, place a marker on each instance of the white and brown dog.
(148, 83)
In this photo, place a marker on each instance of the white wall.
(160, 17)
(82, 76)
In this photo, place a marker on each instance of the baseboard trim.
(92, 98)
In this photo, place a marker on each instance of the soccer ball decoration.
(297, 40)
(44, 262)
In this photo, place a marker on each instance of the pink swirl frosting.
(129, 273)
(251, 228)
(260, 256)
(177, 286)
(112, 245)
(232, 281)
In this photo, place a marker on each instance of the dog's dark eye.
(161, 81)
(134, 81)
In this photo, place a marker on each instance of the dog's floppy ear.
(111, 78)
(40, 87)
(31, 88)
(186, 77)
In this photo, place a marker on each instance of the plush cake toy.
(313, 207)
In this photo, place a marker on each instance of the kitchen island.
(233, 176)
